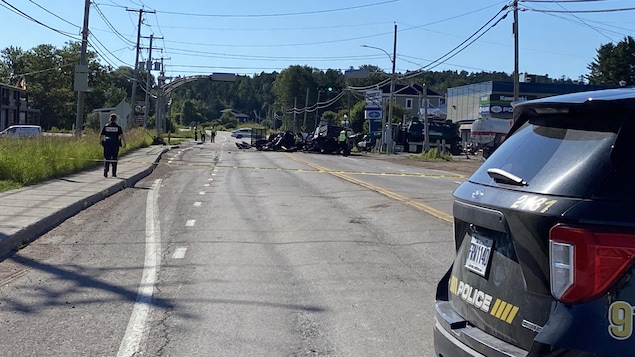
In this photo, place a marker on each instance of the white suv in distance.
(21, 131)
(241, 133)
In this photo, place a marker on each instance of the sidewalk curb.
(9, 244)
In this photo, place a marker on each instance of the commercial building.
(493, 99)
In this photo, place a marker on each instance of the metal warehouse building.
(469, 102)
(494, 98)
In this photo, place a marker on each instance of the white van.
(21, 131)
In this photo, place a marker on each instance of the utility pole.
(388, 138)
(426, 129)
(306, 104)
(133, 97)
(295, 106)
(515, 30)
(317, 108)
(160, 121)
(148, 83)
(81, 74)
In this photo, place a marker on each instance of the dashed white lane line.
(190, 223)
(136, 325)
(179, 253)
(197, 204)
(201, 193)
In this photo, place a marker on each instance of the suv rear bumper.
(453, 336)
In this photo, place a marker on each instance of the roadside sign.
(223, 77)
(373, 99)
(357, 73)
(372, 114)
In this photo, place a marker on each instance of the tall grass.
(29, 161)
(432, 155)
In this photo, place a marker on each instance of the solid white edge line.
(136, 325)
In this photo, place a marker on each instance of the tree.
(291, 85)
(614, 63)
(12, 63)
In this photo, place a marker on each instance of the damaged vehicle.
(324, 139)
(283, 141)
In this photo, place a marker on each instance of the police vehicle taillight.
(586, 261)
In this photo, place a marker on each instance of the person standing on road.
(343, 142)
(213, 137)
(111, 138)
(195, 134)
(203, 134)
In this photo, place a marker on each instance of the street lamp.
(392, 90)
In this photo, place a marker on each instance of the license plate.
(478, 255)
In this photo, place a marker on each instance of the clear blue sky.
(249, 37)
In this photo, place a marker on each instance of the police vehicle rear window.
(566, 154)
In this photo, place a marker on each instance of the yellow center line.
(406, 200)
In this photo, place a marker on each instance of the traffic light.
(330, 89)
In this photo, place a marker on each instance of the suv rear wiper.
(502, 176)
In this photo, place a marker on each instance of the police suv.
(545, 236)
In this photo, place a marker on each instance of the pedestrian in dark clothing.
(111, 138)
(203, 134)
(195, 134)
(213, 139)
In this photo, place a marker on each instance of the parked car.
(241, 133)
(21, 131)
(544, 232)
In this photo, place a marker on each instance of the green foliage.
(92, 121)
(614, 63)
(431, 155)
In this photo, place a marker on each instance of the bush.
(432, 155)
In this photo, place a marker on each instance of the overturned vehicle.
(323, 140)
(282, 141)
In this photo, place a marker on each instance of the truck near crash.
(444, 134)
(487, 133)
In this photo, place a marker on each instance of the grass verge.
(29, 161)
(432, 155)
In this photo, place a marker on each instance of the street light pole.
(388, 122)
(516, 74)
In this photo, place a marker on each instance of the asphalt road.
(222, 252)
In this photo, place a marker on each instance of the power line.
(450, 53)
(279, 14)
(588, 11)
(28, 17)
(107, 50)
(43, 8)
(110, 25)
